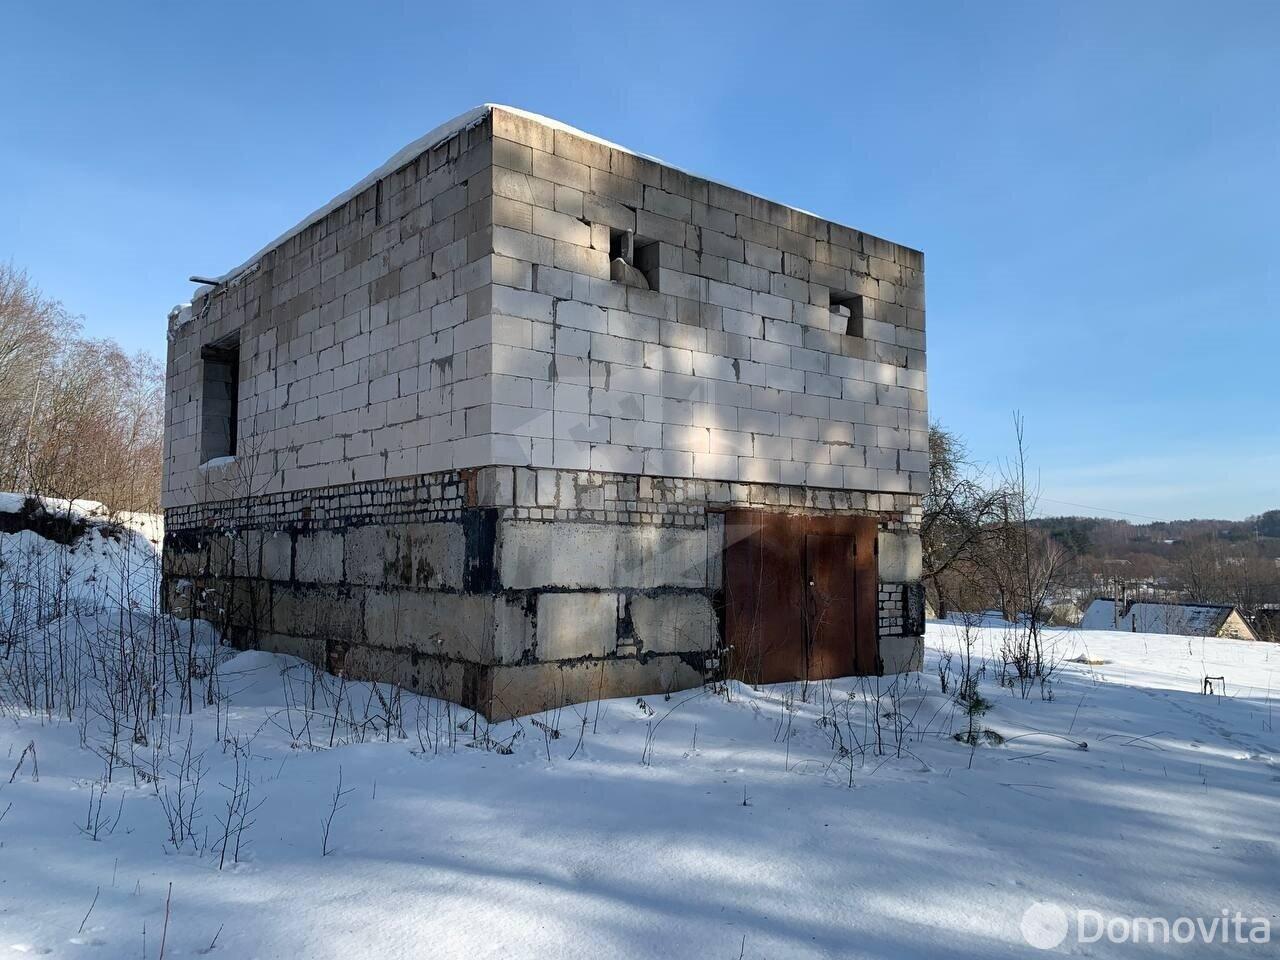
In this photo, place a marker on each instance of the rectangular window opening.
(846, 314)
(622, 246)
(220, 399)
(633, 260)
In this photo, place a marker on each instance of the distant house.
(1181, 619)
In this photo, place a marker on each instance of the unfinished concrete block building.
(527, 418)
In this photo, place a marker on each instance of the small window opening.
(633, 260)
(622, 246)
(846, 314)
(220, 399)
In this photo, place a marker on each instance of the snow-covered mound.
(26, 502)
(73, 555)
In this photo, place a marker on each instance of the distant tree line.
(979, 528)
(79, 417)
(1103, 535)
(1196, 561)
(1268, 524)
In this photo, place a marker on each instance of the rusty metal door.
(780, 627)
(763, 598)
(830, 604)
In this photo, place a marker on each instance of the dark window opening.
(633, 260)
(846, 314)
(220, 399)
(622, 246)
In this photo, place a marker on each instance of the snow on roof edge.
(566, 128)
(464, 121)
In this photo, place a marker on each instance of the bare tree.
(962, 512)
(1029, 567)
(31, 326)
(78, 418)
(98, 431)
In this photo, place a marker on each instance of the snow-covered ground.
(117, 560)
(714, 824)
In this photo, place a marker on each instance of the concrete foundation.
(486, 604)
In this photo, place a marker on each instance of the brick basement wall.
(526, 493)
(422, 499)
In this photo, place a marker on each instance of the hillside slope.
(838, 819)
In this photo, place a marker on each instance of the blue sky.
(1094, 184)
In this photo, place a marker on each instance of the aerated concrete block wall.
(733, 365)
(472, 462)
(356, 358)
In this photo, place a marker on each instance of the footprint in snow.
(87, 942)
(28, 948)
